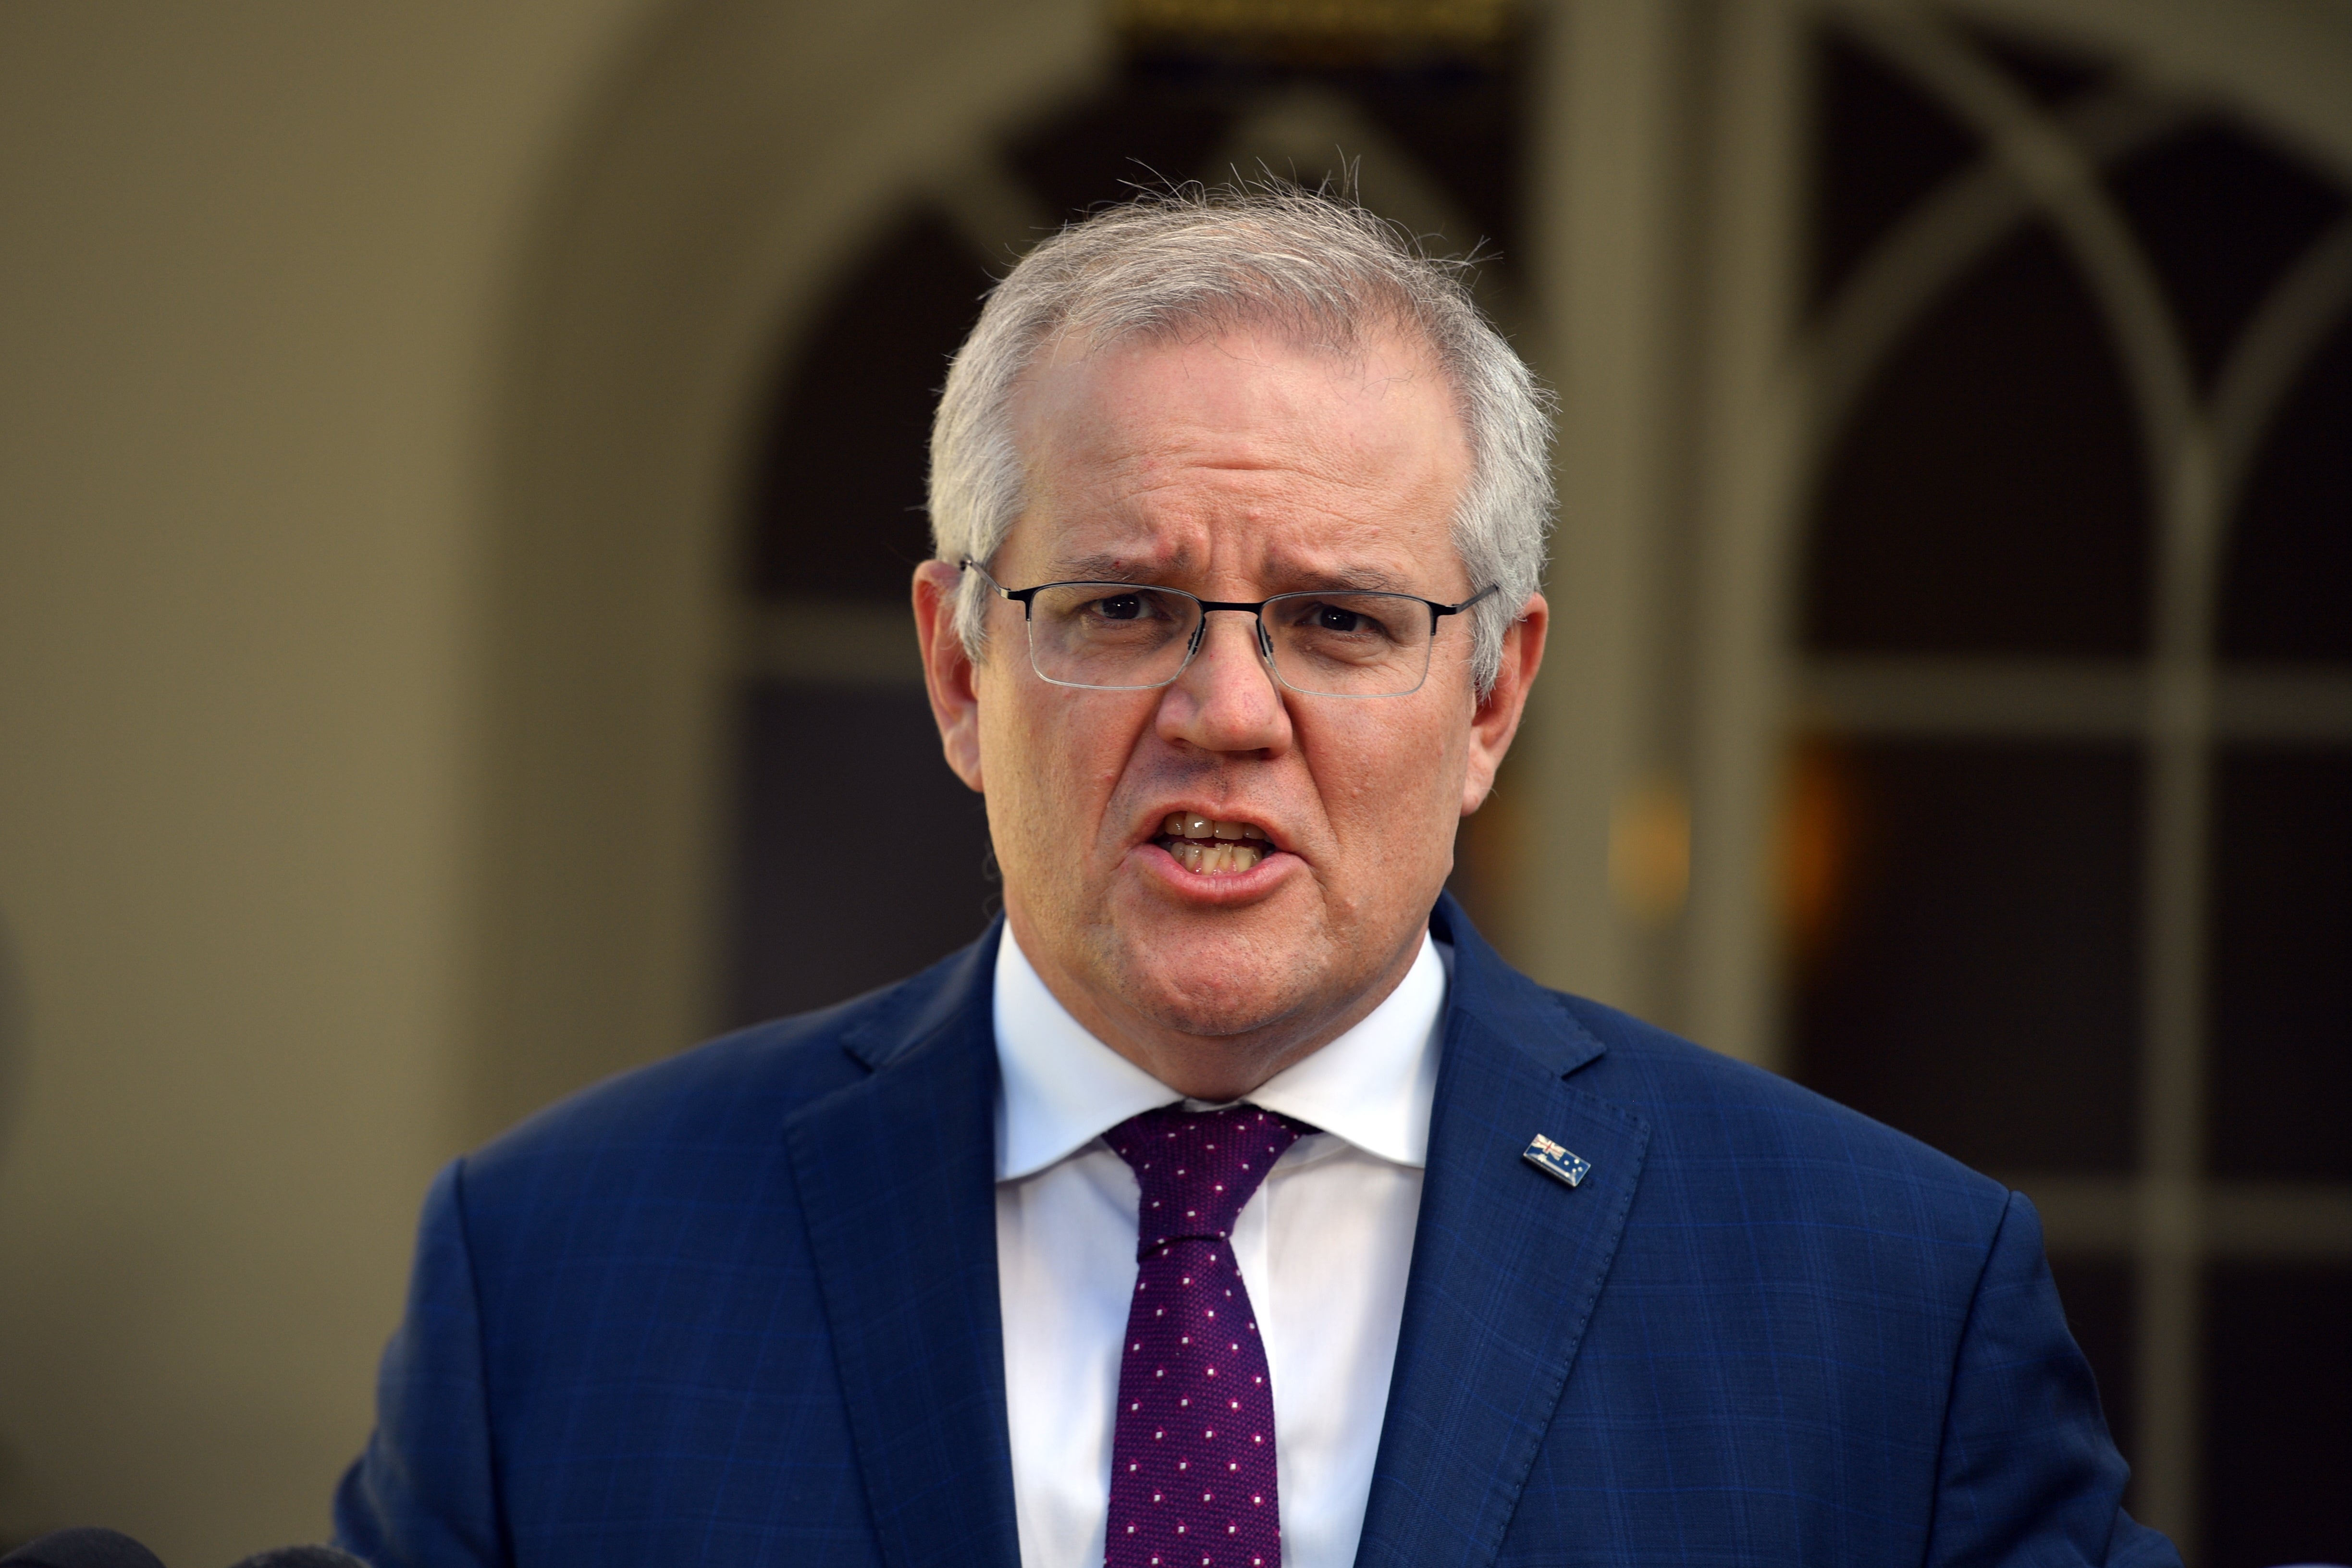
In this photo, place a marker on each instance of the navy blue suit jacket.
(741, 1306)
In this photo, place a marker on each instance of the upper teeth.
(1192, 825)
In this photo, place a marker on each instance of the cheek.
(1052, 766)
(1395, 786)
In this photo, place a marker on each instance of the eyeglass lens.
(1117, 637)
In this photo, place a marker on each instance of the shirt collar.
(1061, 1088)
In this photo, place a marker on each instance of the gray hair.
(1315, 266)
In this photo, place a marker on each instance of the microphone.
(111, 1549)
(81, 1549)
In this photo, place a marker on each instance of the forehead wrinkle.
(1220, 437)
(1345, 480)
(1264, 462)
(1171, 524)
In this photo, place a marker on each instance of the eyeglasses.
(1126, 636)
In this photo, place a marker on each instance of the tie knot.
(1198, 1168)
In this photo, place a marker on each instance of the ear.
(1497, 718)
(948, 671)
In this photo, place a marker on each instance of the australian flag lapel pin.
(1554, 1161)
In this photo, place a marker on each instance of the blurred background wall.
(458, 473)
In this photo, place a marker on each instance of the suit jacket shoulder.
(1758, 1328)
(630, 1336)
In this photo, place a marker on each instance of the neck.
(1214, 1067)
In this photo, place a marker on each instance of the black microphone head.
(83, 1548)
(301, 1557)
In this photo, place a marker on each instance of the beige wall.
(253, 262)
(370, 379)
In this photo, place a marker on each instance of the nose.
(1227, 700)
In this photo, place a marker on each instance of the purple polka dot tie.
(1191, 1468)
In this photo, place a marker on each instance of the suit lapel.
(1508, 1263)
(896, 1176)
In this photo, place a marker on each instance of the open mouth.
(1209, 848)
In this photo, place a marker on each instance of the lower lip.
(1221, 888)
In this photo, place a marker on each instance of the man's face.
(1235, 468)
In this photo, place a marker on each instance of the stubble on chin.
(1247, 986)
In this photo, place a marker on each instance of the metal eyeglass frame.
(1022, 597)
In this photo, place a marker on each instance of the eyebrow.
(1110, 568)
(1100, 568)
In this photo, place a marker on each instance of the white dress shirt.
(1323, 1247)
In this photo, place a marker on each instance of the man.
(1229, 1202)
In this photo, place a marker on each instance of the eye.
(1124, 607)
(1341, 617)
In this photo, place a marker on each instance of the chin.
(1218, 1019)
(1217, 993)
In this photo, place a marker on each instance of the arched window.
(2071, 836)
